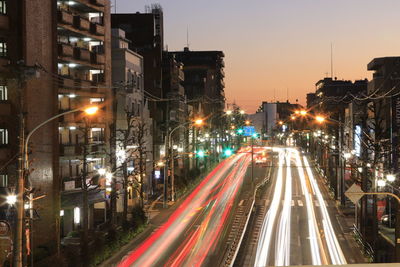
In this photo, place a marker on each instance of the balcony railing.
(98, 78)
(64, 17)
(98, 2)
(65, 50)
(97, 59)
(96, 29)
(81, 23)
(4, 22)
(82, 54)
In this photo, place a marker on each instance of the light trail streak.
(210, 204)
(334, 248)
(264, 241)
(315, 238)
(282, 249)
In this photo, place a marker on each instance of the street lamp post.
(23, 168)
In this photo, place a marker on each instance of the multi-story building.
(146, 33)
(132, 119)
(204, 80)
(178, 114)
(27, 39)
(84, 78)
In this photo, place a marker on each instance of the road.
(295, 223)
(192, 234)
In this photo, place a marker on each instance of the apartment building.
(84, 78)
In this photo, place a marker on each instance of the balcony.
(64, 17)
(4, 62)
(98, 2)
(5, 108)
(96, 29)
(67, 82)
(81, 23)
(98, 78)
(4, 22)
(65, 50)
(81, 54)
(97, 59)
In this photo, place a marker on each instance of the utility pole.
(20, 197)
(166, 165)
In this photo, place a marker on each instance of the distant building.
(146, 34)
(204, 80)
(311, 100)
(128, 72)
(269, 115)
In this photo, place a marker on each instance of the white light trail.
(264, 241)
(334, 248)
(315, 239)
(282, 248)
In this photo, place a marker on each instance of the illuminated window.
(3, 48)
(3, 7)
(3, 136)
(3, 180)
(3, 92)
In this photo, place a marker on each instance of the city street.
(192, 233)
(294, 222)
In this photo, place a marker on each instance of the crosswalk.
(298, 203)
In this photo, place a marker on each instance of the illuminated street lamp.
(390, 177)
(247, 122)
(297, 112)
(293, 118)
(303, 112)
(229, 112)
(242, 112)
(320, 119)
(199, 122)
(280, 122)
(381, 183)
(11, 199)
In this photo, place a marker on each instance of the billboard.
(249, 130)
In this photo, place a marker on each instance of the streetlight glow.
(303, 112)
(391, 177)
(381, 183)
(101, 171)
(347, 155)
(11, 199)
(229, 112)
(198, 122)
(320, 119)
(91, 110)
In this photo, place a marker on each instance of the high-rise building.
(55, 56)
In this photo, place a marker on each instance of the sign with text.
(249, 130)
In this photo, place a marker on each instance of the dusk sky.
(281, 45)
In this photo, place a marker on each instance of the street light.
(199, 122)
(390, 177)
(381, 183)
(242, 112)
(320, 119)
(303, 112)
(247, 122)
(11, 199)
(229, 112)
(24, 168)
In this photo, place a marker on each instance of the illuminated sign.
(157, 174)
(357, 140)
(249, 130)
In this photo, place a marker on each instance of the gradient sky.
(275, 46)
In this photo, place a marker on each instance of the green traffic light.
(240, 131)
(200, 154)
(228, 152)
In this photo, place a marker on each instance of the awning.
(71, 199)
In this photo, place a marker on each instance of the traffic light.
(228, 152)
(240, 131)
(200, 154)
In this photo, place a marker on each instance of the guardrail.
(367, 248)
(231, 260)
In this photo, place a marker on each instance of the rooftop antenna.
(187, 37)
(331, 60)
(115, 6)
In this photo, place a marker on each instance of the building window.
(3, 93)
(3, 7)
(3, 137)
(3, 180)
(3, 48)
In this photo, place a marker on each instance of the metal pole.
(166, 173)
(252, 160)
(20, 198)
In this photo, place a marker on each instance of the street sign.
(249, 130)
(354, 193)
(4, 228)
